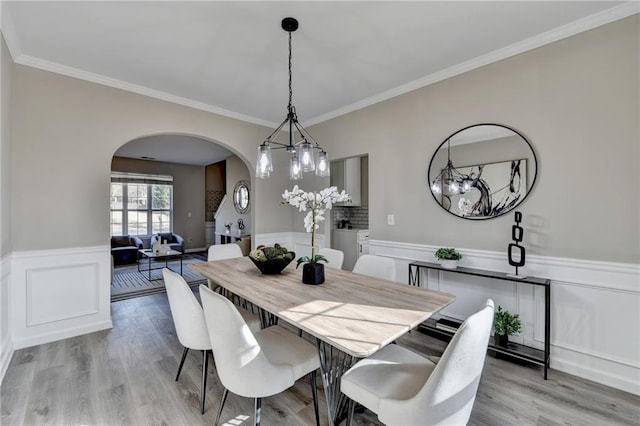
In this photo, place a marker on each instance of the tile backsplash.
(358, 216)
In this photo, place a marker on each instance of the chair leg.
(205, 367)
(256, 418)
(222, 401)
(184, 356)
(314, 392)
(350, 409)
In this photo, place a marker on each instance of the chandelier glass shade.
(306, 155)
(450, 181)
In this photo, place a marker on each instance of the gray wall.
(65, 133)
(5, 153)
(236, 171)
(575, 100)
(188, 194)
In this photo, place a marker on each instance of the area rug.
(128, 282)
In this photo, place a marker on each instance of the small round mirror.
(241, 197)
(482, 171)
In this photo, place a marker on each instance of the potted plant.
(316, 203)
(505, 324)
(448, 257)
(312, 271)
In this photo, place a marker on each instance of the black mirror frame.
(535, 175)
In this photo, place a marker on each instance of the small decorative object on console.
(448, 257)
(271, 260)
(515, 251)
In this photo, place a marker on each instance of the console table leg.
(547, 328)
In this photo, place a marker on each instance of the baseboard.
(6, 341)
(61, 334)
(590, 300)
(195, 250)
(59, 293)
(5, 359)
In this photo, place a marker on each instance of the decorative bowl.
(273, 266)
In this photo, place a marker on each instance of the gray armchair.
(175, 241)
(124, 249)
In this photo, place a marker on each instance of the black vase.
(313, 274)
(501, 340)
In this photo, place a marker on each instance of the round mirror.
(241, 197)
(482, 171)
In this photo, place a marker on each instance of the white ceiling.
(231, 57)
(174, 149)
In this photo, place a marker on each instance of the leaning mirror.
(482, 171)
(241, 197)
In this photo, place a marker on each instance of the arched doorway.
(169, 187)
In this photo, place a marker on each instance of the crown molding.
(607, 16)
(610, 15)
(9, 32)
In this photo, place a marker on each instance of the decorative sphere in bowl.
(271, 260)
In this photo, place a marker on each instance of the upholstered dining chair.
(404, 388)
(189, 322)
(255, 365)
(222, 252)
(376, 266)
(335, 257)
(231, 251)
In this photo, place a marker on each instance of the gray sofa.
(175, 241)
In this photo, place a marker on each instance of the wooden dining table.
(350, 315)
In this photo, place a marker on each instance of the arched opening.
(171, 196)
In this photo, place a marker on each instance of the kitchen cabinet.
(352, 242)
(346, 174)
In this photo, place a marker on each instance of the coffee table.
(151, 255)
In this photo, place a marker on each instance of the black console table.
(532, 355)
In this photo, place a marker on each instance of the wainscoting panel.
(6, 343)
(595, 309)
(48, 291)
(56, 294)
(299, 242)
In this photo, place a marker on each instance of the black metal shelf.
(522, 352)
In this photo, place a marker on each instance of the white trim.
(42, 64)
(42, 338)
(610, 15)
(626, 382)
(32, 254)
(612, 283)
(624, 277)
(6, 344)
(9, 33)
(568, 30)
(69, 305)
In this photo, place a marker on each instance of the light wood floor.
(125, 376)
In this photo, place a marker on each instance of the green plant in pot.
(311, 273)
(505, 324)
(448, 257)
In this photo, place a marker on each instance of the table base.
(333, 364)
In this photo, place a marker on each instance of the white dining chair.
(189, 322)
(376, 266)
(404, 388)
(222, 252)
(231, 251)
(335, 257)
(255, 365)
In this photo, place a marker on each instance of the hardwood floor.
(125, 376)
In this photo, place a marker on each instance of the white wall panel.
(6, 343)
(595, 307)
(56, 294)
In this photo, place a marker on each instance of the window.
(141, 204)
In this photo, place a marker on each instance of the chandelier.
(450, 181)
(303, 152)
